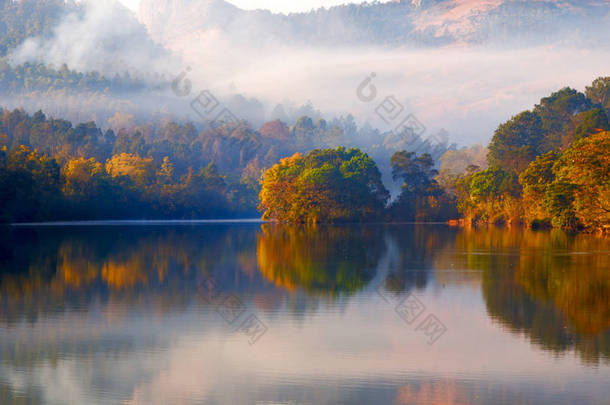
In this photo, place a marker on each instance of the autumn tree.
(80, 177)
(138, 169)
(324, 186)
(490, 196)
(535, 181)
(591, 121)
(570, 190)
(166, 174)
(585, 170)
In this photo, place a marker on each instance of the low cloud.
(102, 35)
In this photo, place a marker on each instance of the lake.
(251, 313)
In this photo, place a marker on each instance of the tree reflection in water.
(550, 286)
(325, 260)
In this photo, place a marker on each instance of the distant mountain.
(168, 19)
(395, 23)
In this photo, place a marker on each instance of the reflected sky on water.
(354, 314)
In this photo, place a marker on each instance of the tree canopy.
(327, 185)
(517, 142)
(421, 198)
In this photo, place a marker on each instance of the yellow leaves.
(82, 169)
(140, 170)
(327, 185)
(587, 165)
(276, 190)
(79, 173)
(289, 161)
(4, 141)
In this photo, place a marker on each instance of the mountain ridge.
(394, 23)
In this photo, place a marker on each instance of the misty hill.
(27, 18)
(394, 23)
(87, 35)
(91, 59)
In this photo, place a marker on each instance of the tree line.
(344, 185)
(52, 170)
(40, 78)
(548, 167)
(155, 169)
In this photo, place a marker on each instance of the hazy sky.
(283, 6)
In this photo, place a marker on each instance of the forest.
(547, 167)
(50, 169)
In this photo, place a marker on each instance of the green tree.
(491, 196)
(517, 142)
(599, 92)
(303, 132)
(556, 112)
(536, 180)
(324, 186)
(421, 197)
(30, 184)
(559, 202)
(592, 121)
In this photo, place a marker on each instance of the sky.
(281, 6)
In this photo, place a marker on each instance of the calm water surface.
(214, 313)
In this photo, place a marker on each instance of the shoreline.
(140, 222)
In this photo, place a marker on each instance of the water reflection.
(117, 301)
(412, 256)
(321, 260)
(555, 288)
(51, 270)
